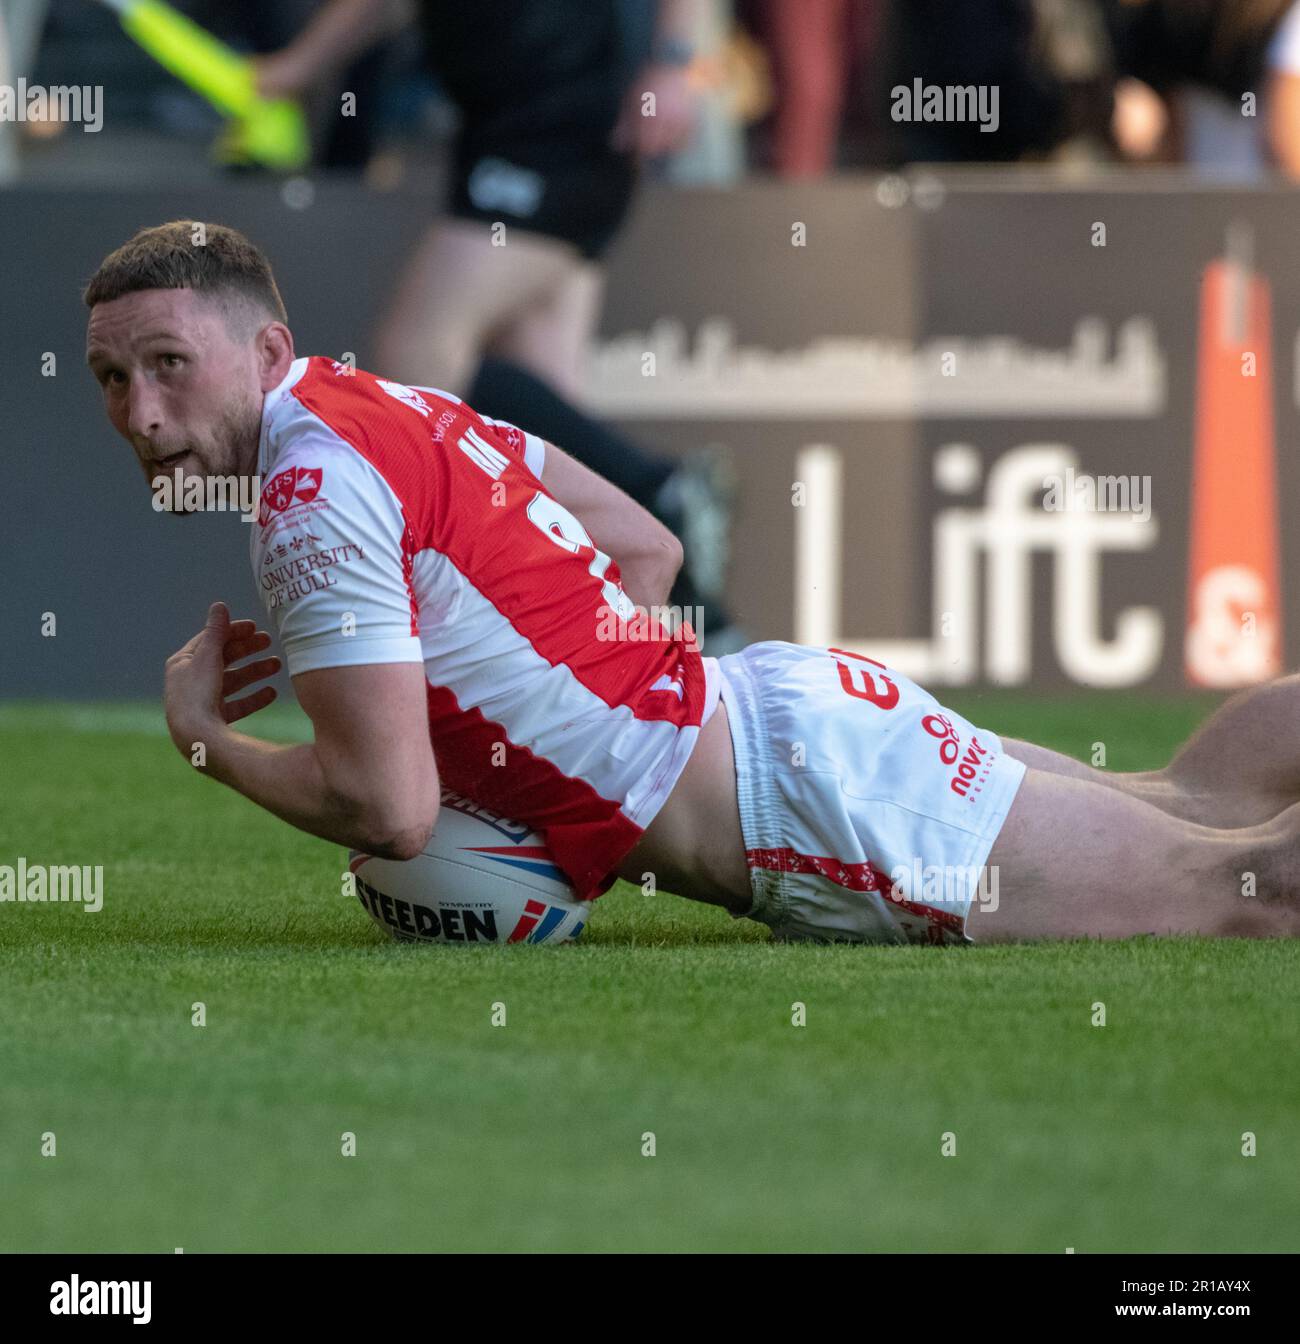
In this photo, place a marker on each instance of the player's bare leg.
(455, 291)
(552, 335)
(1150, 785)
(1077, 859)
(1240, 768)
(1245, 759)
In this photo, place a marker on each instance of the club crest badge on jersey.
(298, 485)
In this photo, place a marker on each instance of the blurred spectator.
(816, 47)
(21, 22)
(714, 154)
(1210, 82)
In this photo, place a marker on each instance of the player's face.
(178, 384)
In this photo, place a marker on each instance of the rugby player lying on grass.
(454, 599)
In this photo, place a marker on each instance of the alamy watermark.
(179, 493)
(946, 884)
(919, 101)
(651, 625)
(75, 1296)
(39, 882)
(1078, 492)
(58, 102)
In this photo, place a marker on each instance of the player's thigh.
(552, 335)
(1152, 786)
(1057, 763)
(1077, 859)
(1208, 798)
(456, 289)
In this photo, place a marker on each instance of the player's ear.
(274, 354)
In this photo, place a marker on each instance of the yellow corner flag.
(272, 132)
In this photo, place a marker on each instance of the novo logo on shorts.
(972, 765)
(93, 1297)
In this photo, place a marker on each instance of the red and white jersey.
(398, 525)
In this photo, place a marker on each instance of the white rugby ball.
(481, 879)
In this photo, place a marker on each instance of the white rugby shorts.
(868, 809)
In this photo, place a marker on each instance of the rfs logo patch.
(298, 485)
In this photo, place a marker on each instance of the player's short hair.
(217, 261)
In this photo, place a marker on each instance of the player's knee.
(1256, 865)
(1197, 859)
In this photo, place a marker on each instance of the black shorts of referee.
(539, 85)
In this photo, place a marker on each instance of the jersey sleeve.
(528, 447)
(332, 564)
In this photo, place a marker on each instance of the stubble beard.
(232, 451)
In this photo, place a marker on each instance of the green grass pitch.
(668, 1019)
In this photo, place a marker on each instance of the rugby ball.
(482, 878)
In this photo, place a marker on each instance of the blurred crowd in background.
(797, 88)
(533, 115)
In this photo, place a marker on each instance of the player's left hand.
(669, 129)
(200, 676)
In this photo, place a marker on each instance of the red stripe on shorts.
(853, 876)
